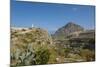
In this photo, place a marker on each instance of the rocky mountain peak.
(72, 25)
(67, 29)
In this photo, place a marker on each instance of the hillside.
(28, 46)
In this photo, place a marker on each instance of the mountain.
(66, 30)
(75, 36)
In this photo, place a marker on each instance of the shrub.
(87, 54)
(42, 56)
(66, 51)
(23, 30)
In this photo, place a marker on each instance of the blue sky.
(51, 16)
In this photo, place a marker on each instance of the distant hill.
(66, 30)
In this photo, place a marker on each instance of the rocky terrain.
(33, 46)
(75, 39)
(28, 46)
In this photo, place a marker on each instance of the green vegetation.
(42, 56)
(87, 54)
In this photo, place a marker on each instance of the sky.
(51, 16)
